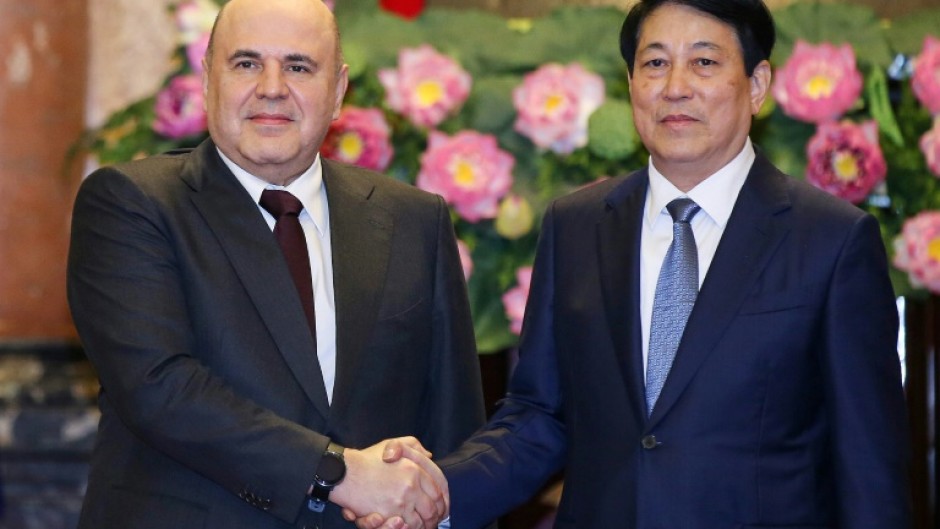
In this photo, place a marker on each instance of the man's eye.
(296, 68)
(705, 62)
(244, 64)
(656, 63)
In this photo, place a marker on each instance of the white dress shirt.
(716, 195)
(315, 221)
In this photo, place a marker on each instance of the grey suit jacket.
(213, 408)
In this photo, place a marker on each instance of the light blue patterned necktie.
(676, 290)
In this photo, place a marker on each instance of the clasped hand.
(393, 485)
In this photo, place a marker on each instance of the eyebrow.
(290, 57)
(702, 44)
(244, 54)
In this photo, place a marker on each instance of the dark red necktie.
(286, 208)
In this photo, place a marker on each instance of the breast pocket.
(790, 299)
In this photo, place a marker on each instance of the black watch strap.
(330, 472)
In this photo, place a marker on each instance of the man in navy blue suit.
(782, 405)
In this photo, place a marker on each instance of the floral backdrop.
(500, 116)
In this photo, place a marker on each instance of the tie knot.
(682, 209)
(280, 203)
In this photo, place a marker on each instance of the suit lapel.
(361, 234)
(756, 227)
(253, 252)
(618, 235)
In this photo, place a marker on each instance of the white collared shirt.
(716, 195)
(315, 221)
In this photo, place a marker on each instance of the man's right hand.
(393, 485)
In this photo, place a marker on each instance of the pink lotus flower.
(845, 159)
(359, 136)
(818, 83)
(179, 108)
(930, 146)
(554, 104)
(514, 299)
(926, 78)
(196, 51)
(469, 170)
(194, 18)
(917, 250)
(426, 87)
(466, 260)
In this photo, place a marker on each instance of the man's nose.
(677, 84)
(272, 84)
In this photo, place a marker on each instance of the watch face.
(331, 469)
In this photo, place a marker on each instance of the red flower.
(405, 8)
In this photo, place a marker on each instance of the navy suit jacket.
(783, 408)
(213, 408)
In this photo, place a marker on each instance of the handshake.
(392, 485)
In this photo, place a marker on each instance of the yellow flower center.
(933, 249)
(819, 86)
(350, 146)
(552, 102)
(429, 92)
(464, 174)
(845, 166)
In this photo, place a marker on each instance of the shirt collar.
(308, 188)
(716, 194)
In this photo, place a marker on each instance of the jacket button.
(649, 442)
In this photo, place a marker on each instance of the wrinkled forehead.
(681, 26)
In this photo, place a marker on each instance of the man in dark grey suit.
(225, 401)
(783, 404)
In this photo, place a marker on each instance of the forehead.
(680, 27)
(275, 28)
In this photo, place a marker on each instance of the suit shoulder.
(597, 195)
(813, 202)
(146, 172)
(384, 187)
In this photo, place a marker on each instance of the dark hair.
(750, 19)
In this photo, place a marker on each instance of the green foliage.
(906, 34)
(836, 23)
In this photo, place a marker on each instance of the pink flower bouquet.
(359, 136)
(917, 250)
(926, 78)
(469, 170)
(196, 51)
(818, 83)
(554, 104)
(179, 108)
(426, 87)
(930, 146)
(514, 299)
(845, 159)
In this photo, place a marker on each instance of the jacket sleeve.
(864, 396)
(523, 444)
(455, 407)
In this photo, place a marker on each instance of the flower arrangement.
(501, 116)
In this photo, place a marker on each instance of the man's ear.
(342, 82)
(760, 85)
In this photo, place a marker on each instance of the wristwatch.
(330, 472)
